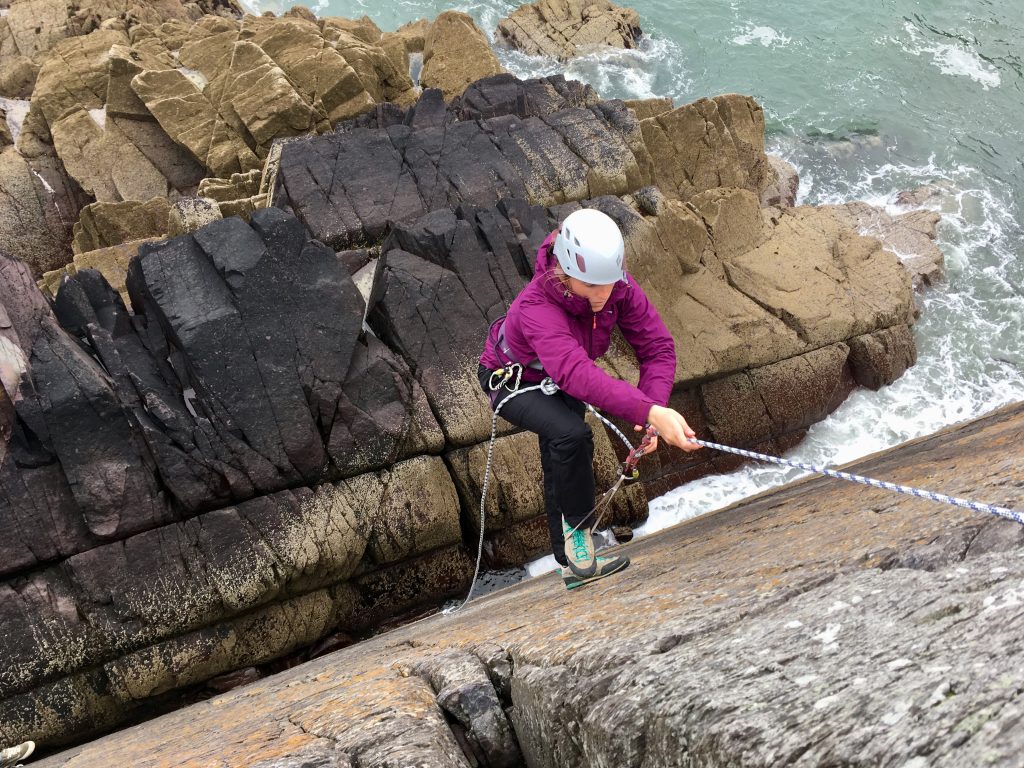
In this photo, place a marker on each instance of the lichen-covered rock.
(645, 108)
(190, 213)
(112, 159)
(238, 586)
(111, 262)
(562, 29)
(455, 54)
(32, 28)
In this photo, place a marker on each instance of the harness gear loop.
(503, 376)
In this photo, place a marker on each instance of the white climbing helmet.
(589, 247)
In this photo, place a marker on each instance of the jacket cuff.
(640, 411)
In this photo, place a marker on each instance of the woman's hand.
(673, 427)
(651, 445)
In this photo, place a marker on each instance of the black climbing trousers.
(566, 452)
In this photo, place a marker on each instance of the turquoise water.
(866, 99)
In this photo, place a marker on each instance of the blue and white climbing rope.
(906, 489)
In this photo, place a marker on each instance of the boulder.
(98, 153)
(17, 77)
(38, 206)
(646, 108)
(190, 213)
(111, 262)
(188, 116)
(429, 266)
(363, 28)
(739, 289)
(455, 54)
(32, 28)
(911, 236)
(782, 185)
(878, 359)
(413, 35)
(506, 94)
(563, 29)
(102, 225)
(295, 396)
(234, 587)
(383, 76)
(710, 143)
(466, 694)
(237, 186)
(72, 469)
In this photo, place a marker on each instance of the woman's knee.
(572, 436)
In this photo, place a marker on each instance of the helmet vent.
(581, 263)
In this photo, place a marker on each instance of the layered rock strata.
(820, 623)
(132, 101)
(562, 29)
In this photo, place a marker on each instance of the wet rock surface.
(820, 622)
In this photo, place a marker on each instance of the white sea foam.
(766, 36)
(952, 58)
(17, 110)
(649, 70)
(956, 60)
(43, 181)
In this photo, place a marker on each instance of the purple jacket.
(548, 323)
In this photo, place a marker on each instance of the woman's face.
(597, 295)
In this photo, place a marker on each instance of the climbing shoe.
(579, 550)
(14, 755)
(604, 566)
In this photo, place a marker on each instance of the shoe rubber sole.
(575, 582)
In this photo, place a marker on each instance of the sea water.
(866, 100)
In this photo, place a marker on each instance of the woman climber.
(556, 327)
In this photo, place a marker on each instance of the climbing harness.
(512, 375)
(906, 489)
